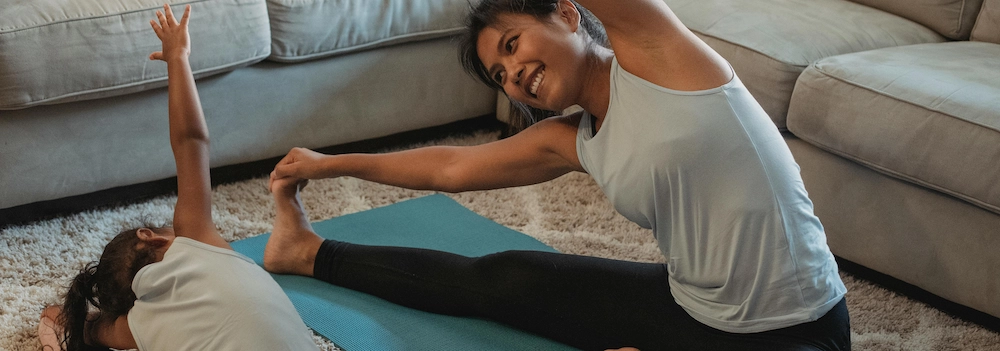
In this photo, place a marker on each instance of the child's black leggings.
(586, 302)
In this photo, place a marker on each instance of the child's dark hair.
(105, 285)
(486, 14)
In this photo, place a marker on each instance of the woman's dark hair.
(105, 285)
(487, 14)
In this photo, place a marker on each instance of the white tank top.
(710, 174)
(202, 297)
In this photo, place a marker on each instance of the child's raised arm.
(188, 132)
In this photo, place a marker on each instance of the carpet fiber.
(570, 214)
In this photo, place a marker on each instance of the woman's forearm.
(429, 168)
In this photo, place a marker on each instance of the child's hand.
(49, 331)
(174, 35)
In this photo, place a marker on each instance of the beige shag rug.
(569, 213)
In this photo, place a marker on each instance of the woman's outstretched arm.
(542, 152)
(188, 132)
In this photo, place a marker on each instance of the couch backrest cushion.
(988, 24)
(311, 29)
(950, 18)
(54, 51)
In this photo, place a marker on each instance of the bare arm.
(188, 132)
(115, 334)
(540, 153)
(651, 42)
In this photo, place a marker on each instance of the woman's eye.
(498, 77)
(510, 43)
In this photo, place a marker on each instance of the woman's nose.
(517, 77)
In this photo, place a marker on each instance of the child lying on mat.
(179, 288)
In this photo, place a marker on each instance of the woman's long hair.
(486, 14)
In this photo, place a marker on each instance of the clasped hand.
(299, 164)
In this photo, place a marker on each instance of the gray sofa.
(82, 109)
(892, 110)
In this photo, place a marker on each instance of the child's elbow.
(189, 137)
(182, 143)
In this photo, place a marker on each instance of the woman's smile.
(536, 81)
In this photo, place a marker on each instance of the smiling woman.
(678, 145)
(536, 15)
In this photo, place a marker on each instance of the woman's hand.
(300, 163)
(173, 35)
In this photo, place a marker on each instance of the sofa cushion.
(769, 42)
(309, 29)
(988, 24)
(951, 18)
(54, 51)
(928, 114)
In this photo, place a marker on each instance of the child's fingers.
(162, 18)
(156, 55)
(52, 311)
(186, 15)
(156, 28)
(170, 14)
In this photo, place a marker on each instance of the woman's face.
(539, 63)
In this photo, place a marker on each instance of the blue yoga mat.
(356, 321)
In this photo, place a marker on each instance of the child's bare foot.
(293, 244)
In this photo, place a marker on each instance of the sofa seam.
(901, 176)
(961, 20)
(68, 20)
(208, 72)
(398, 39)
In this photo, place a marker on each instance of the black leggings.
(586, 302)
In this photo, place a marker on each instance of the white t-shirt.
(202, 297)
(711, 175)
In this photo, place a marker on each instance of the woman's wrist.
(330, 166)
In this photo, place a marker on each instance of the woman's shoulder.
(553, 135)
(694, 67)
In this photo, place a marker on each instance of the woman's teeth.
(538, 80)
